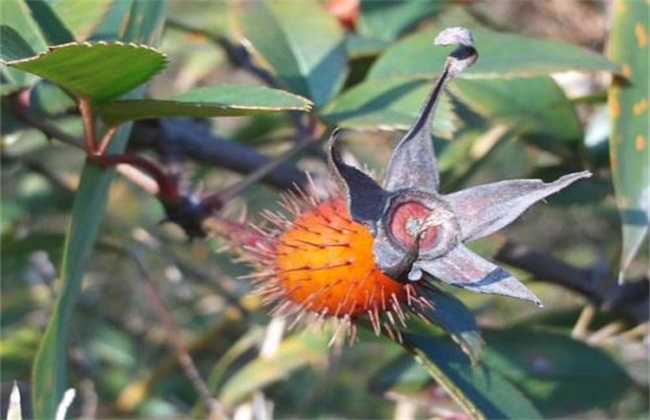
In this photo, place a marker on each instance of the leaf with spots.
(628, 104)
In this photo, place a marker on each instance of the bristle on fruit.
(316, 260)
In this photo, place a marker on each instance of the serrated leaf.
(501, 55)
(629, 110)
(390, 104)
(293, 353)
(99, 71)
(535, 107)
(301, 43)
(214, 101)
(482, 391)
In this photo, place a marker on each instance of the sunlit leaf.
(387, 105)
(99, 71)
(20, 34)
(535, 107)
(292, 354)
(388, 19)
(215, 101)
(301, 44)
(629, 109)
(501, 55)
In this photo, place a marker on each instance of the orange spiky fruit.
(325, 264)
(321, 262)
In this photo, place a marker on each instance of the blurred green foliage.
(510, 116)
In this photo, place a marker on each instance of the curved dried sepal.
(365, 197)
(461, 267)
(413, 163)
(392, 260)
(485, 209)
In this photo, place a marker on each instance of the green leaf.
(293, 353)
(215, 101)
(501, 55)
(50, 364)
(301, 43)
(81, 18)
(99, 71)
(16, 15)
(482, 391)
(535, 107)
(50, 22)
(560, 375)
(387, 20)
(628, 105)
(455, 319)
(13, 46)
(391, 104)
(402, 375)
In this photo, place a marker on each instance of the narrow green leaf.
(501, 55)
(13, 46)
(99, 71)
(301, 43)
(215, 101)
(391, 104)
(50, 23)
(145, 22)
(114, 21)
(535, 107)
(298, 351)
(82, 18)
(16, 15)
(50, 364)
(455, 319)
(629, 109)
(481, 391)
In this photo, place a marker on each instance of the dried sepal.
(419, 231)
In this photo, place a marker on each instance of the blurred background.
(121, 361)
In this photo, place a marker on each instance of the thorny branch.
(183, 138)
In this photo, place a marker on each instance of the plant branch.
(629, 300)
(177, 138)
(175, 340)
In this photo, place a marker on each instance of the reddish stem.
(167, 186)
